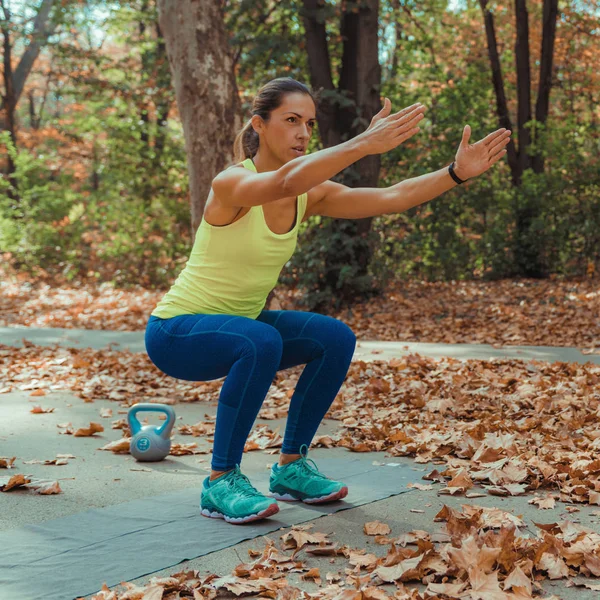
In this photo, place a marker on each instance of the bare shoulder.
(227, 178)
(239, 166)
(216, 208)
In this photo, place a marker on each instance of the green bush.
(127, 223)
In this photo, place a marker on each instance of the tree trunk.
(42, 30)
(523, 84)
(365, 87)
(31, 98)
(498, 82)
(207, 97)
(320, 70)
(146, 75)
(146, 59)
(9, 105)
(397, 36)
(15, 81)
(360, 81)
(163, 101)
(528, 247)
(542, 106)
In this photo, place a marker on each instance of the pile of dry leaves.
(527, 312)
(479, 554)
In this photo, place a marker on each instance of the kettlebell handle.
(134, 424)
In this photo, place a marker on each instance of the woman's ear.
(257, 123)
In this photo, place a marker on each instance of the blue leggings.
(203, 347)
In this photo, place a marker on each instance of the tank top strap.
(303, 198)
(249, 164)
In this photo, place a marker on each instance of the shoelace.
(242, 484)
(303, 462)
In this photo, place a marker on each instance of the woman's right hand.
(387, 131)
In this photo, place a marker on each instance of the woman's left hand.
(474, 159)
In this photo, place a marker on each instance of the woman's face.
(290, 127)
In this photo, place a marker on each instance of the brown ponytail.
(246, 143)
(269, 97)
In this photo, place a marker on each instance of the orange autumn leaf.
(9, 483)
(39, 410)
(89, 431)
(376, 528)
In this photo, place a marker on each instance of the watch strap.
(454, 175)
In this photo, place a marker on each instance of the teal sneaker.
(300, 481)
(232, 497)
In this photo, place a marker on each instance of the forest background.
(95, 184)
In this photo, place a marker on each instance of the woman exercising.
(212, 324)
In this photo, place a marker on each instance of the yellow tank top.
(232, 268)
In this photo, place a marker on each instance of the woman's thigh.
(203, 347)
(306, 335)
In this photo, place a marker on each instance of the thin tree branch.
(6, 11)
(38, 39)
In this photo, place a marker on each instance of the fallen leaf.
(376, 528)
(89, 431)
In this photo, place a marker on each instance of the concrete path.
(366, 350)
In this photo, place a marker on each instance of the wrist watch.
(454, 175)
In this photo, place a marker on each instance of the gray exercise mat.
(73, 556)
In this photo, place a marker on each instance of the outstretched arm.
(471, 160)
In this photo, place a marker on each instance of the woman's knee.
(333, 332)
(346, 335)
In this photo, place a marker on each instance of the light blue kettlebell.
(150, 442)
